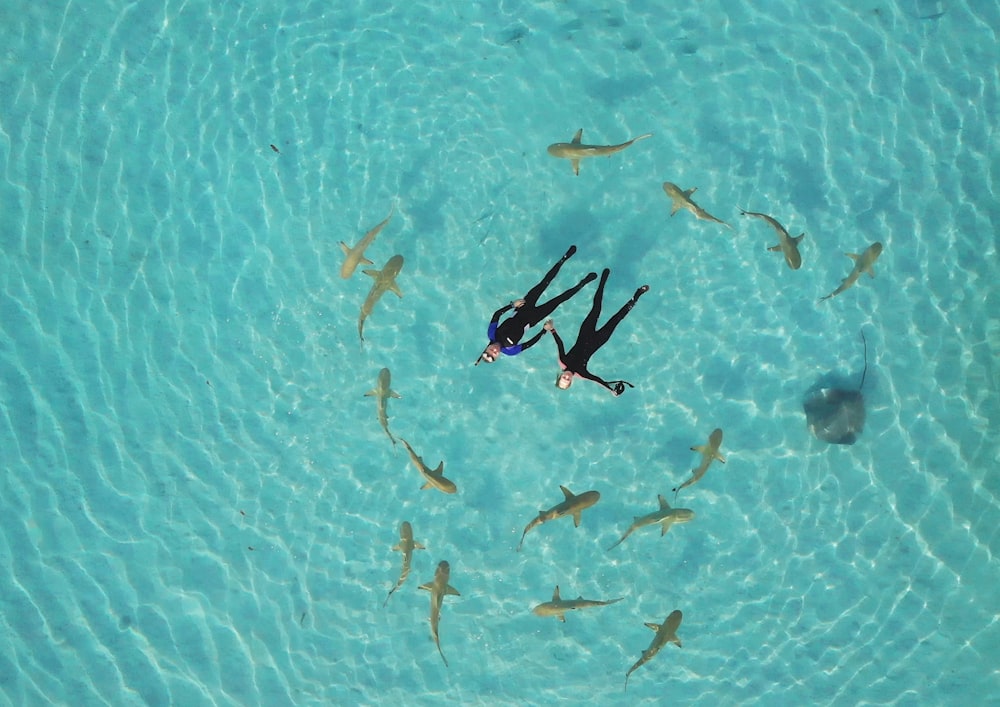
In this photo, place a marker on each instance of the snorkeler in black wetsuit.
(505, 337)
(590, 339)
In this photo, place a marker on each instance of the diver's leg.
(544, 310)
(535, 292)
(604, 333)
(589, 325)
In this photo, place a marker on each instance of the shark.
(558, 606)
(574, 151)
(385, 281)
(709, 453)
(681, 199)
(788, 245)
(572, 506)
(356, 255)
(382, 392)
(665, 517)
(405, 546)
(435, 477)
(439, 589)
(862, 263)
(665, 633)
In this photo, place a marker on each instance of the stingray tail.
(865, 371)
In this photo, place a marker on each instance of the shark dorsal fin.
(566, 492)
(555, 594)
(663, 502)
(578, 137)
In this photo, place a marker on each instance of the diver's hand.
(549, 325)
(618, 389)
(518, 303)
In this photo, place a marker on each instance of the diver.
(505, 337)
(590, 339)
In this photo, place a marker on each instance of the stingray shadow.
(835, 406)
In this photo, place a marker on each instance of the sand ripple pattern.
(197, 503)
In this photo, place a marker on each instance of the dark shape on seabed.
(835, 414)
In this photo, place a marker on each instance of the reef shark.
(382, 392)
(439, 589)
(665, 633)
(385, 281)
(435, 477)
(558, 606)
(681, 199)
(862, 263)
(405, 546)
(709, 453)
(665, 516)
(354, 256)
(788, 245)
(574, 151)
(571, 506)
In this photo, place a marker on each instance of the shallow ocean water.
(198, 504)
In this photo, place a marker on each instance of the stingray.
(837, 415)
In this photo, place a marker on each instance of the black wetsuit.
(509, 333)
(590, 338)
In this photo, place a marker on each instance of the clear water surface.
(197, 504)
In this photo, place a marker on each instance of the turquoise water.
(198, 505)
